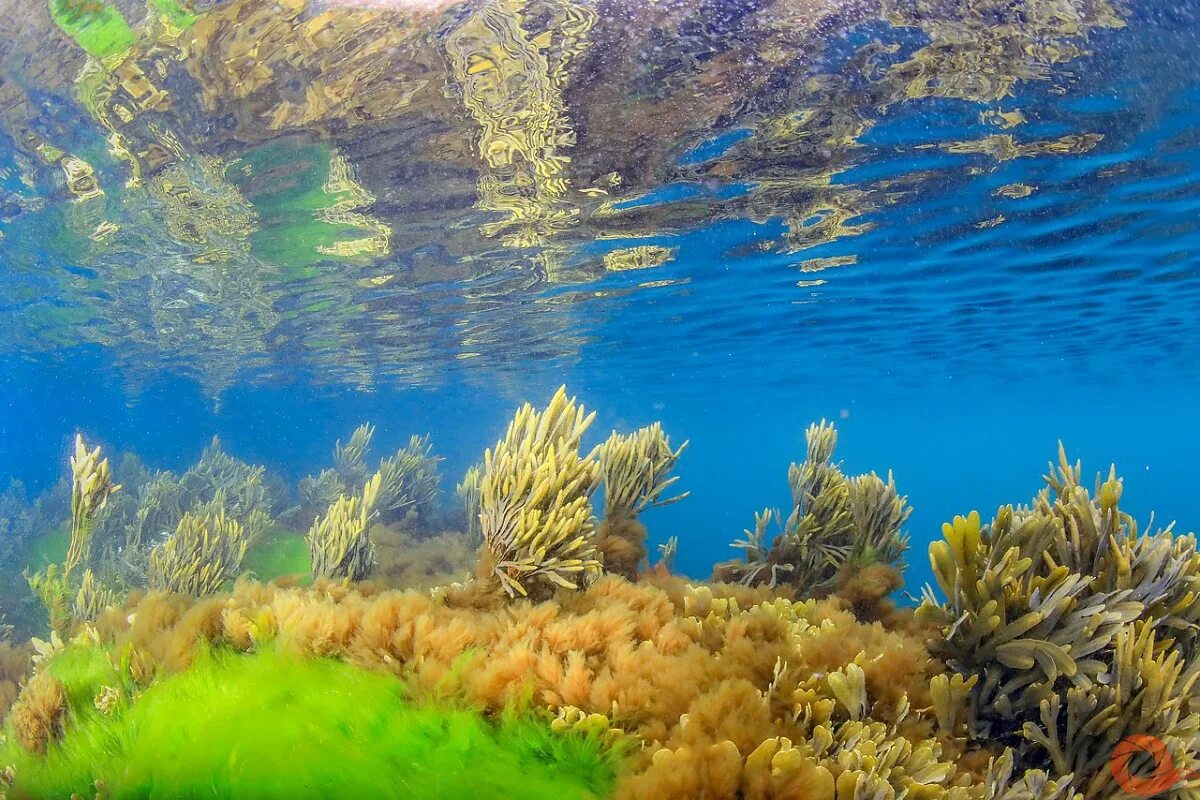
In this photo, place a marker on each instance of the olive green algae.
(280, 553)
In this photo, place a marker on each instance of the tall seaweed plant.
(835, 523)
(535, 502)
(91, 487)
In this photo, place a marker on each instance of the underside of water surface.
(599, 399)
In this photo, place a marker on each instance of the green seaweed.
(291, 727)
(176, 13)
(276, 554)
(98, 28)
(49, 549)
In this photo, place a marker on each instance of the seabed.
(204, 643)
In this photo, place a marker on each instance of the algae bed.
(295, 500)
(540, 651)
(274, 725)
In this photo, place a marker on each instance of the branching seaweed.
(410, 477)
(204, 553)
(535, 501)
(468, 493)
(836, 523)
(350, 462)
(410, 480)
(339, 543)
(636, 470)
(1067, 631)
(91, 488)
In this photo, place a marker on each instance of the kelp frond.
(91, 487)
(243, 485)
(160, 507)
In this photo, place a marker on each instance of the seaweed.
(339, 543)
(410, 481)
(837, 524)
(318, 491)
(91, 488)
(37, 718)
(636, 470)
(271, 724)
(203, 554)
(1065, 630)
(15, 520)
(217, 485)
(410, 477)
(92, 598)
(1061, 631)
(535, 502)
(349, 462)
(242, 485)
(468, 494)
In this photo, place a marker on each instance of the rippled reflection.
(379, 192)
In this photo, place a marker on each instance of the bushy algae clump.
(837, 526)
(535, 506)
(1060, 630)
(408, 479)
(91, 486)
(273, 725)
(1065, 631)
(636, 470)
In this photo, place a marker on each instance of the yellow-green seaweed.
(835, 522)
(203, 554)
(339, 543)
(1065, 630)
(636, 471)
(270, 725)
(535, 500)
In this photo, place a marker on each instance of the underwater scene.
(726, 399)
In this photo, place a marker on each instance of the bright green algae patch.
(176, 13)
(270, 725)
(96, 27)
(277, 554)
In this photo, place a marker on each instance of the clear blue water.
(988, 288)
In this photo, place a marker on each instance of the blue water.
(968, 331)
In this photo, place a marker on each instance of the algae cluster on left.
(284, 726)
(1061, 632)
